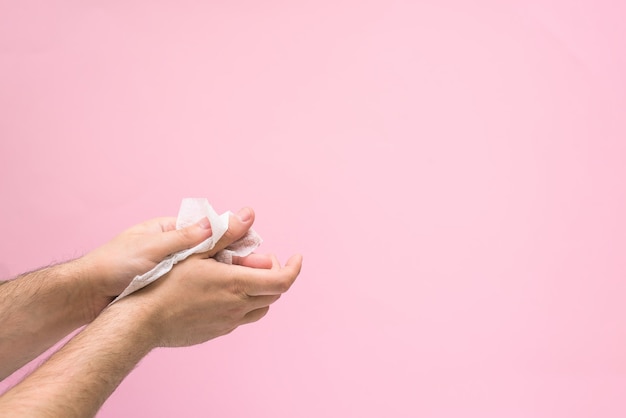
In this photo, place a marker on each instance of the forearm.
(77, 379)
(37, 309)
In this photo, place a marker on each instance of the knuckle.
(283, 284)
(237, 288)
(231, 235)
(185, 236)
(287, 279)
(236, 229)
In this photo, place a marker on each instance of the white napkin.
(191, 211)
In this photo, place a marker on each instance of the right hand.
(201, 299)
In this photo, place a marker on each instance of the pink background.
(452, 171)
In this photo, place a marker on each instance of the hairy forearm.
(37, 309)
(77, 379)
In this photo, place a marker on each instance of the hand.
(201, 299)
(111, 267)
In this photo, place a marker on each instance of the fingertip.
(197, 232)
(294, 260)
(204, 223)
(246, 215)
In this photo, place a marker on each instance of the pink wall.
(453, 174)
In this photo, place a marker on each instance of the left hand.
(111, 267)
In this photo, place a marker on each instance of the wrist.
(136, 320)
(88, 279)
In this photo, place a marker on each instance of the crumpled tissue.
(191, 211)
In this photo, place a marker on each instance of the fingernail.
(244, 214)
(204, 223)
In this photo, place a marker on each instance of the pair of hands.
(200, 298)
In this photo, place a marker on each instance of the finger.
(161, 224)
(257, 282)
(167, 223)
(176, 240)
(257, 261)
(255, 315)
(238, 226)
(295, 261)
(275, 263)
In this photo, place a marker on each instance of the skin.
(39, 308)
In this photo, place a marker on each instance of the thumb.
(181, 239)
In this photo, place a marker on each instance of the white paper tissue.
(191, 211)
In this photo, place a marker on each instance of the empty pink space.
(453, 173)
